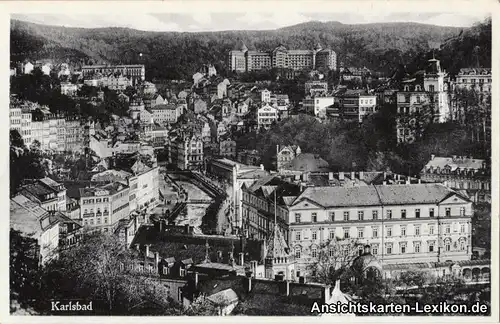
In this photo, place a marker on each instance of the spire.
(207, 258)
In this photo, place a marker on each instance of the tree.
(95, 270)
(334, 260)
(16, 139)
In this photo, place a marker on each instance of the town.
(291, 180)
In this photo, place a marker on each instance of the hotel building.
(103, 207)
(243, 60)
(402, 223)
(135, 72)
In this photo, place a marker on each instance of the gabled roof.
(223, 298)
(276, 245)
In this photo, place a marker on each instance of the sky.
(206, 21)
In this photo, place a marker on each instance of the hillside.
(177, 55)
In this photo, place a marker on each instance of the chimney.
(454, 157)
(361, 175)
(137, 247)
(253, 267)
(248, 283)
(341, 176)
(161, 225)
(157, 259)
(330, 176)
(408, 181)
(385, 175)
(262, 167)
(195, 277)
(136, 221)
(147, 249)
(325, 294)
(286, 288)
(419, 181)
(353, 175)
(384, 182)
(242, 258)
(230, 258)
(186, 229)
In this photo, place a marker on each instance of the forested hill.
(178, 55)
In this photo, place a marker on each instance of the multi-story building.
(43, 195)
(104, 206)
(68, 88)
(57, 133)
(165, 114)
(135, 72)
(186, 152)
(286, 154)
(478, 79)
(116, 82)
(312, 88)
(420, 103)
(460, 173)
(401, 223)
(356, 104)
(73, 135)
(227, 148)
(36, 223)
(265, 96)
(317, 105)
(266, 116)
(244, 60)
(15, 115)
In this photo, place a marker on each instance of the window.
(375, 214)
(417, 213)
(462, 245)
(374, 250)
(416, 247)
(314, 235)
(448, 212)
(389, 214)
(332, 216)
(417, 230)
(462, 228)
(447, 246)
(402, 247)
(431, 88)
(314, 252)
(346, 216)
(447, 229)
(389, 231)
(361, 215)
(332, 234)
(98, 220)
(360, 233)
(314, 217)
(462, 211)
(388, 248)
(403, 231)
(297, 236)
(331, 252)
(431, 229)
(431, 212)
(346, 233)
(297, 218)
(403, 213)
(297, 252)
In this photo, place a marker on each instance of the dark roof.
(182, 246)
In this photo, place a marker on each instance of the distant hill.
(174, 55)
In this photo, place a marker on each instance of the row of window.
(375, 232)
(403, 248)
(97, 200)
(375, 215)
(98, 221)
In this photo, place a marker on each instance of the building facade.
(266, 116)
(478, 79)
(243, 60)
(103, 207)
(136, 72)
(186, 153)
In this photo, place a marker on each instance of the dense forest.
(380, 47)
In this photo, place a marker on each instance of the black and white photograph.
(280, 162)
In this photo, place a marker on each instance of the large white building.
(266, 116)
(406, 223)
(317, 105)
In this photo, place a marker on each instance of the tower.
(278, 260)
(316, 50)
(435, 86)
